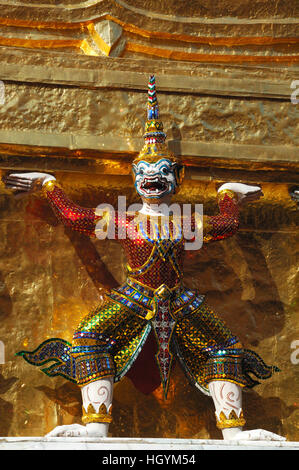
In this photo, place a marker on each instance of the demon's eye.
(141, 171)
(165, 170)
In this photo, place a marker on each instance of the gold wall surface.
(74, 77)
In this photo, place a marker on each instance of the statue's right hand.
(26, 182)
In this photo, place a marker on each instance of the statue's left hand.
(257, 435)
(246, 193)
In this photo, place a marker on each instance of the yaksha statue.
(153, 317)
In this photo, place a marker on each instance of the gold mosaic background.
(75, 77)
(50, 278)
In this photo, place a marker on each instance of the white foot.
(257, 435)
(71, 430)
(77, 430)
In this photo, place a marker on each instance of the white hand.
(26, 182)
(71, 430)
(244, 191)
(257, 435)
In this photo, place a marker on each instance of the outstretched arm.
(70, 214)
(231, 196)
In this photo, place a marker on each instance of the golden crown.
(155, 147)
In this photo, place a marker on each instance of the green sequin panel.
(123, 328)
(197, 331)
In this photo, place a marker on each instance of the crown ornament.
(154, 136)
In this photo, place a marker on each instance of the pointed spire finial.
(152, 105)
(154, 133)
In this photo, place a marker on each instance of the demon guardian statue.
(153, 311)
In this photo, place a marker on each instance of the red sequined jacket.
(149, 263)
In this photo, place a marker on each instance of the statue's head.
(157, 172)
(157, 179)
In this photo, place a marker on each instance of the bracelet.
(103, 416)
(49, 186)
(227, 192)
(233, 421)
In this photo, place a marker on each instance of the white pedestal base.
(129, 444)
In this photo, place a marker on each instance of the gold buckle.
(163, 292)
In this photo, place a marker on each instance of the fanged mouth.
(155, 185)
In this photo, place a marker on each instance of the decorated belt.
(141, 299)
(163, 291)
